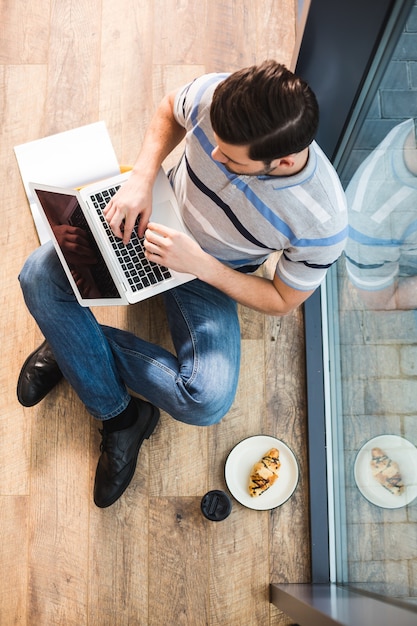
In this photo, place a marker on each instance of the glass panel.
(372, 313)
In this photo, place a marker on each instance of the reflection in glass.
(372, 309)
(381, 254)
(78, 246)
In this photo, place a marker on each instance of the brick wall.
(396, 98)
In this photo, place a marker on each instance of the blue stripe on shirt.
(367, 240)
(213, 79)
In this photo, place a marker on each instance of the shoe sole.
(148, 432)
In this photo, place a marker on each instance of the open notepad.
(69, 159)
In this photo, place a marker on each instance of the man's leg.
(196, 386)
(76, 339)
(84, 357)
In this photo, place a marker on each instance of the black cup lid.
(216, 505)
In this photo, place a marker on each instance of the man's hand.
(172, 249)
(133, 200)
(85, 283)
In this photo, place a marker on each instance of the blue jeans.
(195, 386)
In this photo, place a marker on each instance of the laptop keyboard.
(140, 272)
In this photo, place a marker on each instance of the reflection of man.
(73, 240)
(80, 256)
(76, 243)
(381, 254)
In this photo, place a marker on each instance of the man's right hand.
(133, 200)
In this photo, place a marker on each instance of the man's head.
(267, 109)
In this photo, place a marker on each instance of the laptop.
(107, 272)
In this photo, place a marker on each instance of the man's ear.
(284, 162)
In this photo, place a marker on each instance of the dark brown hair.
(267, 108)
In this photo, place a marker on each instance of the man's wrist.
(146, 174)
(210, 269)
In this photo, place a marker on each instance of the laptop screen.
(77, 244)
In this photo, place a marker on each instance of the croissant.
(386, 472)
(264, 473)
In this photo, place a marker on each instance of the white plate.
(402, 452)
(239, 465)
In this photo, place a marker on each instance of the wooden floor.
(151, 559)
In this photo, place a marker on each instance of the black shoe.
(39, 374)
(119, 453)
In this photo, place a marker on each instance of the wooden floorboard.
(152, 558)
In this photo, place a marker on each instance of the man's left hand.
(173, 249)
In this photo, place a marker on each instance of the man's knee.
(40, 270)
(34, 264)
(209, 406)
(30, 276)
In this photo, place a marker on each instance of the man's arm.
(135, 196)
(401, 295)
(179, 252)
(272, 297)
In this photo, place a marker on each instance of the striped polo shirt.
(382, 201)
(241, 219)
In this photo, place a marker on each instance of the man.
(381, 259)
(251, 181)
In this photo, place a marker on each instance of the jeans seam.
(112, 414)
(193, 337)
(140, 356)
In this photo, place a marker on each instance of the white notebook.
(69, 159)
